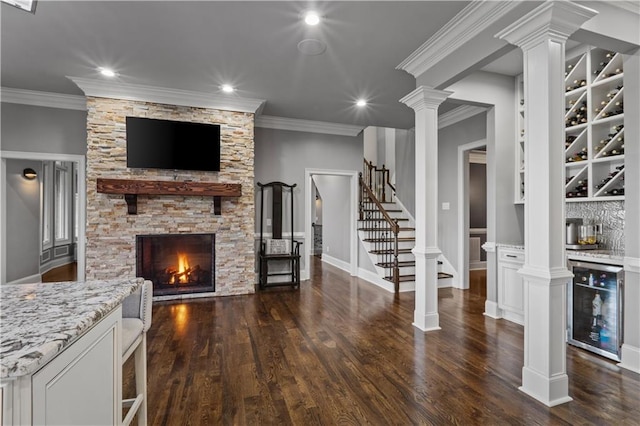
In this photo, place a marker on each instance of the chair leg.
(141, 378)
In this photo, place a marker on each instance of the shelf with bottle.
(520, 137)
(605, 64)
(608, 141)
(610, 178)
(577, 183)
(576, 109)
(608, 99)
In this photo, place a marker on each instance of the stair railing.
(381, 230)
(378, 179)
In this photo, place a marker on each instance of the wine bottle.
(594, 334)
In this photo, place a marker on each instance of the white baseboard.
(448, 268)
(377, 280)
(340, 264)
(491, 309)
(445, 282)
(630, 358)
(473, 266)
(35, 278)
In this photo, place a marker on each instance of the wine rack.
(594, 125)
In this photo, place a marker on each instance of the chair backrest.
(139, 304)
(277, 213)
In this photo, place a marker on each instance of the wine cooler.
(595, 308)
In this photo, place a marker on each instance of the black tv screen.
(177, 145)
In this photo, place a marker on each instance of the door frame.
(82, 203)
(309, 196)
(463, 209)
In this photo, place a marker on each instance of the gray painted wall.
(23, 220)
(40, 129)
(406, 169)
(449, 139)
(282, 155)
(334, 191)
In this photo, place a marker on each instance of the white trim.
(492, 310)
(162, 95)
(311, 126)
(35, 278)
(340, 264)
(458, 114)
(448, 268)
(388, 286)
(43, 99)
(82, 202)
(353, 215)
(480, 265)
(466, 25)
(632, 264)
(412, 221)
(489, 247)
(630, 358)
(463, 214)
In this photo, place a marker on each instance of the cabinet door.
(82, 385)
(511, 293)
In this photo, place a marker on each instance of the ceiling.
(198, 46)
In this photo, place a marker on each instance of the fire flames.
(181, 275)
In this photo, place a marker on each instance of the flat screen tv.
(176, 145)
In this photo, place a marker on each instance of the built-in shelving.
(594, 127)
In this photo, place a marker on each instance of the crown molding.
(555, 19)
(161, 95)
(458, 114)
(42, 99)
(425, 97)
(630, 6)
(298, 125)
(466, 25)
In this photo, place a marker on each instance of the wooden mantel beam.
(132, 188)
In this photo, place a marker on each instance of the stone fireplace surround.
(111, 232)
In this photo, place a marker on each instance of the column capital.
(553, 20)
(425, 97)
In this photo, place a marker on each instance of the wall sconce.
(29, 173)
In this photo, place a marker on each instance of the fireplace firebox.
(177, 263)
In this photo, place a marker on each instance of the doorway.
(472, 216)
(317, 222)
(61, 167)
(349, 189)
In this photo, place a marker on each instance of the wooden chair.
(277, 250)
(136, 320)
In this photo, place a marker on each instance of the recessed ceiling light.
(312, 47)
(361, 103)
(107, 72)
(311, 18)
(227, 88)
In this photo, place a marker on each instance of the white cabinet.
(80, 386)
(510, 284)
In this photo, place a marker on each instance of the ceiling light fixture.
(107, 72)
(27, 5)
(311, 18)
(361, 103)
(227, 88)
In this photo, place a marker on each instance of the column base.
(630, 358)
(429, 322)
(550, 391)
(491, 310)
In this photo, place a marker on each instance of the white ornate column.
(542, 34)
(425, 102)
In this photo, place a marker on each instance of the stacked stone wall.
(111, 232)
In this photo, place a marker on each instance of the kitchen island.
(60, 351)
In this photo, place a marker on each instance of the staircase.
(385, 231)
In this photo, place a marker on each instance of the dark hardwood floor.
(67, 272)
(341, 351)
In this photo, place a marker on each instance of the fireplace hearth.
(177, 264)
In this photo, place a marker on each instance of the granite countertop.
(39, 320)
(608, 256)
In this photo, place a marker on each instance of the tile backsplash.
(609, 213)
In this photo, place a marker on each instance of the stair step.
(387, 240)
(404, 278)
(399, 219)
(390, 251)
(401, 264)
(387, 210)
(384, 228)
